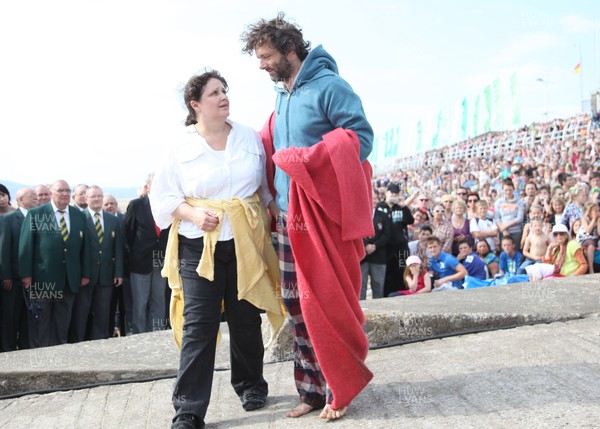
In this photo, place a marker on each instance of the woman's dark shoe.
(252, 400)
(187, 421)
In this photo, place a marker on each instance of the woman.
(421, 217)
(489, 258)
(208, 188)
(508, 214)
(5, 206)
(442, 229)
(472, 199)
(579, 196)
(564, 257)
(460, 226)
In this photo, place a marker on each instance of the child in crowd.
(471, 261)
(535, 245)
(587, 234)
(510, 259)
(483, 228)
(535, 212)
(448, 273)
(416, 278)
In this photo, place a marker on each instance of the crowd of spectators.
(505, 198)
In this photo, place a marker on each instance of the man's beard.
(282, 70)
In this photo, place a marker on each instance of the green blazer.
(46, 257)
(10, 229)
(107, 258)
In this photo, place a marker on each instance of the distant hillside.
(121, 194)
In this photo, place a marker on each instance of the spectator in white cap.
(564, 257)
(416, 278)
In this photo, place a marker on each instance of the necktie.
(63, 226)
(98, 226)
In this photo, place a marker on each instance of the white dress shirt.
(193, 169)
(93, 215)
(57, 215)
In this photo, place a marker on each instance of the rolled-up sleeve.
(166, 193)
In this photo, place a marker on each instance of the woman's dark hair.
(194, 89)
(279, 34)
(486, 243)
(5, 190)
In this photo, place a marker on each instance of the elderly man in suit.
(54, 263)
(79, 197)
(14, 311)
(106, 250)
(145, 244)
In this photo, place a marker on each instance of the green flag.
(419, 135)
(463, 125)
(487, 125)
(476, 116)
(515, 99)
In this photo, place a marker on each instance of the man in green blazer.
(106, 250)
(53, 264)
(14, 312)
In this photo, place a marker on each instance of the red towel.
(329, 213)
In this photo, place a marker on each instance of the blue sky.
(90, 90)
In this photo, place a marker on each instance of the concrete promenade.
(528, 376)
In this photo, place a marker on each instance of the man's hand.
(84, 281)
(26, 282)
(370, 248)
(118, 281)
(7, 284)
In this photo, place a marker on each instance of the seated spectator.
(564, 257)
(420, 217)
(482, 228)
(555, 214)
(471, 261)
(447, 201)
(489, 258)
(419, 247)
(587, 234)
(535, 246)
(448, 273)
(442, 228)
(535, 212)
(579, 196)
(472, 200)
(460, 225)
(416, 278)
(510, 259)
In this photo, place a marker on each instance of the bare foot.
(300, 409)
(329, 413)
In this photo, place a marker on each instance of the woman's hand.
(274, 209)
(206, 220)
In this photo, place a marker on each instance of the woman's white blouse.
(193, 169)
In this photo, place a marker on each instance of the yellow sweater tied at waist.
(257, 262)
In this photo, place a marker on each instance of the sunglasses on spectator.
(424, 199)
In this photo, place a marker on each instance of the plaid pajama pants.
(307, 374)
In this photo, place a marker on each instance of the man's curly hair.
(278, 34)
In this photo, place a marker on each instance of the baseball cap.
(414, 259)
(559, 227)
(393, 188)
